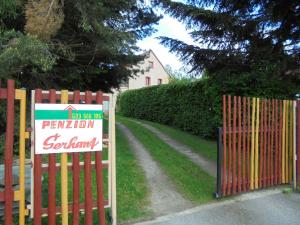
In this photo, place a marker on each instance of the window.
(151, 65)
(159, 81)
(148, 81)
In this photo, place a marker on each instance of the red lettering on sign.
(69, 122)
(91, 124)
(52, 143)
(46, 143)
(61, 124)
(53, 124)
(46, 123)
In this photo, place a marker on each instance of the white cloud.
(168, 27)
(161, 52)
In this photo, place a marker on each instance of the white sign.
(68, 128)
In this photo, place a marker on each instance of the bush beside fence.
(184, 105)
(196, 107)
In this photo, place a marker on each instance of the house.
(152, 73)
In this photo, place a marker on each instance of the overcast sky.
(171, 28)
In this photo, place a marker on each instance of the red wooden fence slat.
(99, 176)
(76, 179)
(272, 144)
(279, 138)
(229, 183)
(266, 145)
(261, 142)
(224, 175)
(52, 176)
(37, 176)
(244, 144)
(8, 154)
(276, 142)
(88, 177)
(234, 175)
(269, 143)
(248, 143)
(239, 145)
(264, 159)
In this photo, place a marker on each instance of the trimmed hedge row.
(184, 105)
(196, 107)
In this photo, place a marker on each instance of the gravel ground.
(164, 198)
(207, 165)
(263, 208)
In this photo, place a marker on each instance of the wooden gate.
(257, 144)
(66, 188)
(71, 166)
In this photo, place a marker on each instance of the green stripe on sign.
(64, 115)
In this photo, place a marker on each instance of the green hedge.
(184, 105)
(196, 107)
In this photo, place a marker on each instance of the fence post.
(8, 154)
(218, 194)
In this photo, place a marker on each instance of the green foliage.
(77, 45)
(196, 107)
(245, 40)
(18, 51)
(9, 7)
(184, 105)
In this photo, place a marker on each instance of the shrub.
(196, 106)
(184, 105)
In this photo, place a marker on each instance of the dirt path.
(164, 198)
(207, 165)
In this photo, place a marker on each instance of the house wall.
(154, 73)
(139, 81)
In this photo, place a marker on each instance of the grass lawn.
(206, 148)
(189, 179)
(132, 190)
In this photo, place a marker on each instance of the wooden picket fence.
(257, 144)
(45, 169)
(10, 195)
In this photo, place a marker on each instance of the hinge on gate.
(27, 135)
(17, 195)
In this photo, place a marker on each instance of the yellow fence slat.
(291, 135)
(20, 194)
(287, 141)
(64, 174)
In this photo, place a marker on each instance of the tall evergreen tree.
(86, 44)
(250, 44)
